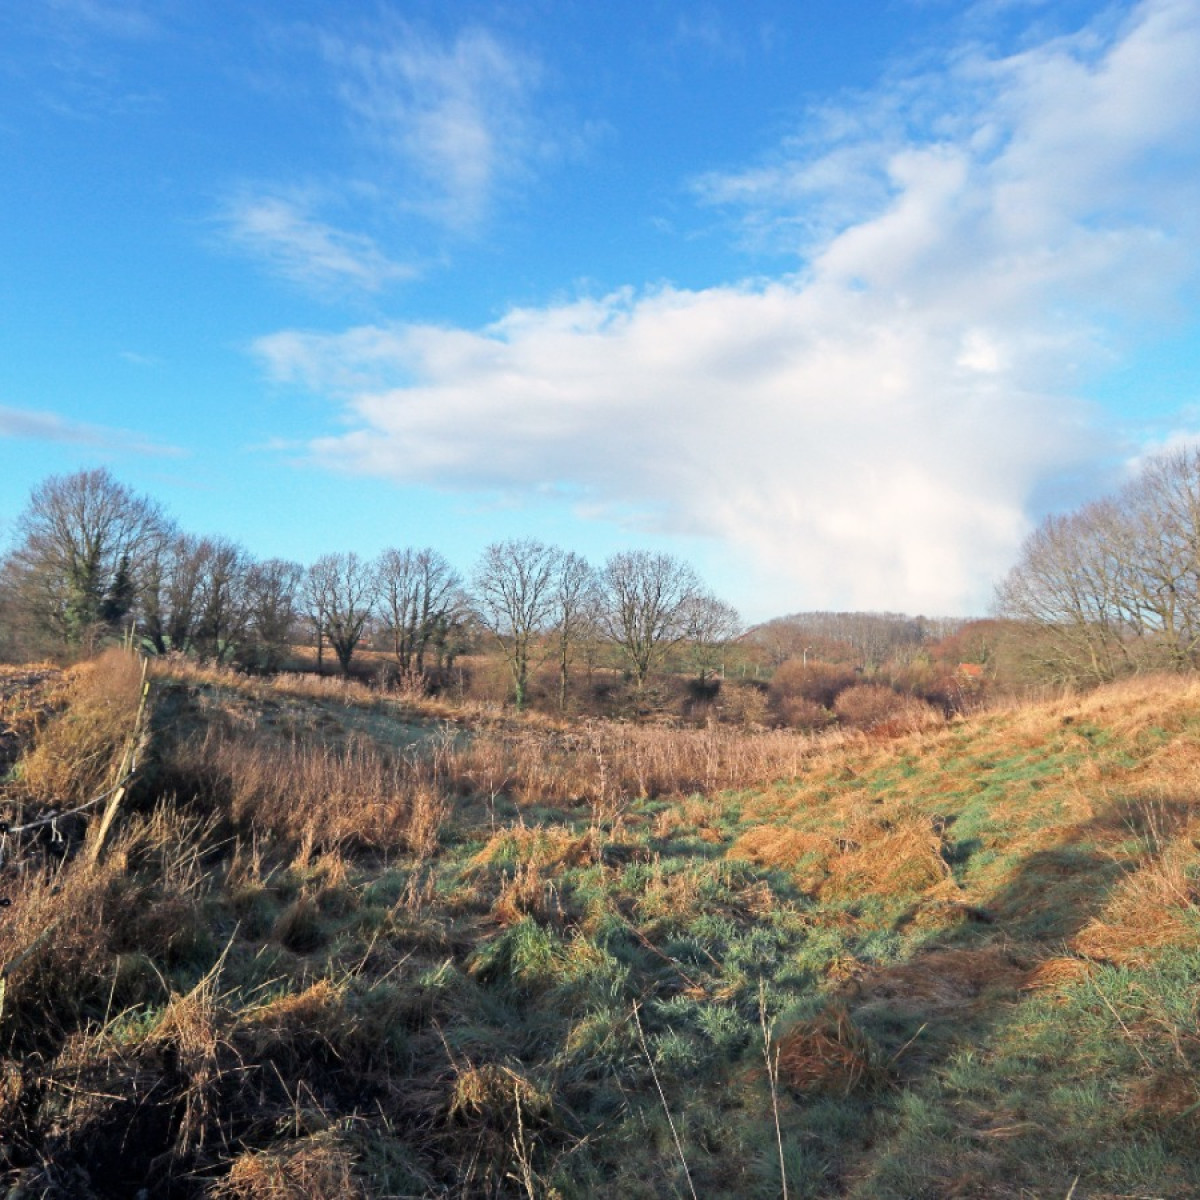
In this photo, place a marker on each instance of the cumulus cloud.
(454, 115)
(868, 431)
(282, 234)
(49, 427)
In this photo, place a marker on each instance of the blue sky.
(834, 299)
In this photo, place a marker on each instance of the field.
(344, 945)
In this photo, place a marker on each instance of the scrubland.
(340, 944)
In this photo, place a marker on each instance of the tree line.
(92, 560)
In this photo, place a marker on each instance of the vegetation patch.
(521, 959)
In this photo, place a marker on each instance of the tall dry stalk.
(772, 1081)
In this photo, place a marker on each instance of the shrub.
(798, 713)
(800, 694)
(877, 709)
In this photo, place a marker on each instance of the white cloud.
(869, 431)
(455, 116)
(280, 233)
(50, 427)
(447, 127)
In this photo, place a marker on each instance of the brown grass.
(76, 754)
(806, 855)
(1057, 975)
(827, 1055)
(1156, 907)
(28, 696)
(490, 1094)
(317, 1167)
(904, 860)
(286, 1029)
(1170, 1097)
(54, 944)
(352, 796)
(884, 712)
(191, 1036)
(540, 847)
(779, 846)
(608, 763)
(943, 982)
(253, 1087)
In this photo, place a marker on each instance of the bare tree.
(223, 616)
(193, 597)
(453, 631)
(272, 595)
(1159, 540)
(710, 625)
(155, 607)
(868, 638)
(1115, 586)
(1067, 587)
(514, 584)
(646, 601)
(312, 607)
(340, 597)
(83, 541)
(419, 592)
(576, 612)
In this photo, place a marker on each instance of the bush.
(877, 709)
(800, 693)
(798, 713)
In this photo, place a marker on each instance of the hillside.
(341, 945)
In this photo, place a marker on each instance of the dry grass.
(55, 947)
(881, 711)
(1157, 906)
(28, 695)
(1057, 975)
(432, 951)
(492, 1093)
(538, 847)
(355, 796)
(317, 1167)
(1169, 1097)
(888, 862)
(607, 764)
(944, 982)
(76, 754)
(807, 856)
(828, 1055)
(538, 759)
(190, 1037)
(286, 1029)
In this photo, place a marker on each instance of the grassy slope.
(533, 960)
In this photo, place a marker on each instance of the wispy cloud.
(441, 128)
(126, 19)
(72, 54)
(702, 28)
(49, 427)
(454, 115)
(281, 233)
(871, 430)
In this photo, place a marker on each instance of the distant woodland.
(1108, 590)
